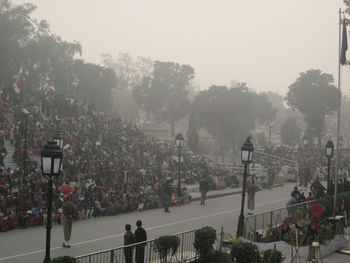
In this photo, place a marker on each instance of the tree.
(290, 132)
(315, 96)
(16, 29)
(165, 92)
(192, 133)
(129, 74)
(230, 114)
(50, 56)
(95, 84)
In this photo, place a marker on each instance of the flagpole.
(338, 120)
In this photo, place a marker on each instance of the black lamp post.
(51, 163)
(340, 152)
(24, 164)
(329, 153)
(179, 142)
(302, 177)
(247, 151)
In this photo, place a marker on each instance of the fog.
(263, 43)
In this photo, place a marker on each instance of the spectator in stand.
(310, 197)
(296, 194)
(3, 153)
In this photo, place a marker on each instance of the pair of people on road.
(131, 238)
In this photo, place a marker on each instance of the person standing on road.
(129, 238)
(251, 190)
(140, 236)
(69, 211)
(166, 190)
(203, 188)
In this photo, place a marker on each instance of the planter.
(336, 243)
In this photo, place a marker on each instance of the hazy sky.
(265, 43)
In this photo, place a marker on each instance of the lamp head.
(247, 151)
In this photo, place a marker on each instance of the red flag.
(344, 44)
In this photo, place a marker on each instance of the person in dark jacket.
(140, 236)
(203, 188)
(129, 238)
(166, 190)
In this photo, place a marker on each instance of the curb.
(217, 195)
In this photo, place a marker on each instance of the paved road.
(103, 233)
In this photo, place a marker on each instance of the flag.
(19, 80)
(344, 44)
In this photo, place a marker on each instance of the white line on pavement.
(149, 228)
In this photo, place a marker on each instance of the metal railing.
(185, 252)
(263, 221)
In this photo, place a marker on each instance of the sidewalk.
(336, 257)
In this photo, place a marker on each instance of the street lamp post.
(179, 142)
(329, 153)
(340, 152)
(24, 164)
(305, 143)
(269, 176)
(51, 163)
(247, 151)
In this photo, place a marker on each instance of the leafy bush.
(272, 256)
(217, 257)
(204, 239)
(246, 253)
(273, 234)
(64, 259)
(234, 244)
(326, 233)
(166, 245)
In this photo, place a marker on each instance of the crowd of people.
(113, 166)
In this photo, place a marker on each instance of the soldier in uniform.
(166, 190)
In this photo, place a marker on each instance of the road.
(107, 232)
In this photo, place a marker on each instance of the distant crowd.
(113, 166)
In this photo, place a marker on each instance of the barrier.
(185, 252)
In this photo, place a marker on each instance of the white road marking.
(149, 228)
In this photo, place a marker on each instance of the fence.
(263, 221)
(185, 252)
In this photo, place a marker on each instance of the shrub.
(272, 256)
(217, 257)
(166, 245)
(326, 233)
(204, 239)
(246, 253)
(234, 246)
(64, 259)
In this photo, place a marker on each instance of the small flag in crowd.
(344, 44)
(19, 80)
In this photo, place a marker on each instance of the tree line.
(165, 92)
